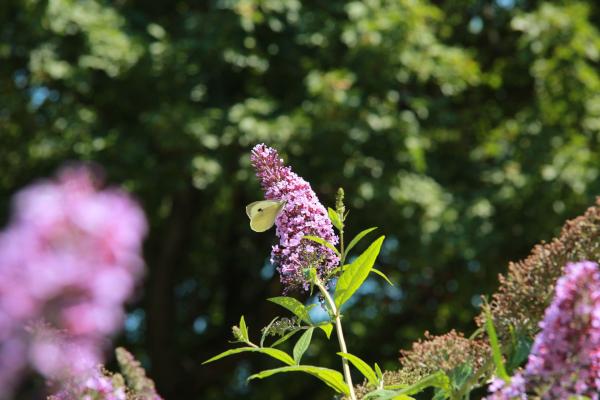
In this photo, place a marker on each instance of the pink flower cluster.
(69, 259)
(95, 387)
(302, 215)
(565, 357)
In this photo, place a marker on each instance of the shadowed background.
(465, 130)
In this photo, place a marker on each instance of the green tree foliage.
(465, 130)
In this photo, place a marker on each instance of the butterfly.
(263, 213)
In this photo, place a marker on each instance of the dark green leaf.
(285, 337)
(519, 351)
(266, 331)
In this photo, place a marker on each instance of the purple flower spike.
(565, 357)
(302, 215)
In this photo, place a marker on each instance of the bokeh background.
(466, 130)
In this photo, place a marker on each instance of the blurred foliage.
(466, 130)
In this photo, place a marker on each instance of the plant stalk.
(340, 336)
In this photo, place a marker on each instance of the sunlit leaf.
(362, 366)
(358, 238)
(496, 351)
(356, 273)
(293, 305)
(331, 377)
(381, 274)
(302, 345)
(322, 242)
(244, 328)
(335, 218)
(278, 354)
(327, 328)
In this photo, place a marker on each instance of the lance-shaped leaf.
(496, 351)
(362, 366)
(278, 354)
(244, 329)
(381, 274)
(285, 337)
(356, 273)
(335, 218)
(293, 305)
(302, 345)
(331, 377)
(358, 238)
(327, 328)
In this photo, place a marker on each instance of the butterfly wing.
(262, 214)
(252, 208)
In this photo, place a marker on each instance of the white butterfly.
(263, 213)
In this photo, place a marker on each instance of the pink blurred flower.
(565, 358)
(70, 258)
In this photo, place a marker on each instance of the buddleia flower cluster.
(565, 357)
(69, 259)
(302, 215)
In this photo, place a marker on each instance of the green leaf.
(381, 274)
(519, 350)
(244, 329)
(356, 273)
(384, 394)
(285, 337)
(496, 351)
(335, 218)
(459, 375)
(278, 354)
(362, 366)
(358, 238)
(438, 380)
(327, 328)
(322, 242)
(378, 372)
(302, 344)
(266, 331)
(331, 377)
(293, 305)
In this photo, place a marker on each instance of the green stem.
(464, 389)
(340, 336)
